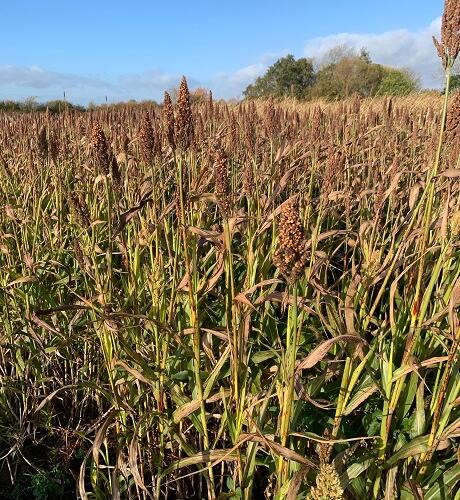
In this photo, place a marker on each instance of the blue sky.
(137, 49)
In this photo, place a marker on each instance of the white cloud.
(229, 85)
(242, 76)
(34, 77)
(20, 82)
(156, 80)
(400, 48)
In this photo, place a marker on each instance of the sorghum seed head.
(79, 208)
(222, 187)
(54, 146)
(379, 198)
(248, 177)
(79, 257)
(42, 143)
(168, 118)
(147, 140)
(454, 224)
(211, 104)
(185, 128)
(290, 257)
(325, 448)
(449, 47)
(453, 119)
(327, 485)
(105, 159)
(100, 147)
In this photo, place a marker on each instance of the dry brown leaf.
(349, 304)
(450, 173)
(188, 408)
(319, 352)
(414, 193)
(279, 449)
(23, 280)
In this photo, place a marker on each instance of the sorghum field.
(256, 300)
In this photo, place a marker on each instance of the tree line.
(31, 105)
(341, 74)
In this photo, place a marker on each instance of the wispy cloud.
(18, 82)
(400, 48)
(153, 80)
(229, 85)
(34, 77)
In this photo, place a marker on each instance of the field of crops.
(255, 300)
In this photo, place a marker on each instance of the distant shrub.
(455, 82)
(398, 83)
(58, 106)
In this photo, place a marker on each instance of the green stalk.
(418, 313)
(288, 384)
(194, 323)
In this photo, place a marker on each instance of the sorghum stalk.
(290, 259)
(448, 52)
(194, 322)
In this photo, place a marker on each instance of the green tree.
(351, 74)
(455, 81)
(397, 82)
(286, 77)
(344, 72)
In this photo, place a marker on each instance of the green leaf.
(415, 447)
(442, 489)
(356, 470)
(364, 391)
(418, 426)
(261, 356)
(182, 376)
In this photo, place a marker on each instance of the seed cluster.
(221, 183)
(78, 252)
(100, 147)
(105, 159)
(327, 485)
(209, 107)
(79, 208)
(168, 119)
(185, 127)
(290, 257)
(451, 154)
(449, 47)
(42, 143)
(453, 120)
(147, 140)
